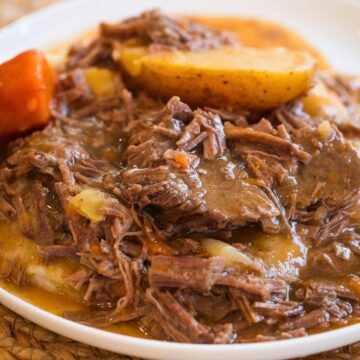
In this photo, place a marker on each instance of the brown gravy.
(261, 33)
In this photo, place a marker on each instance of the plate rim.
(23, 308)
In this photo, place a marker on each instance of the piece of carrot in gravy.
(27, 84)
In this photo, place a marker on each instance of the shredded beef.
(273, 185)
(262, 139)
(163, 32)
(151, 28)
(185, 272)
(205, 128)
(14, 271)
(57, 251)
(265, 288)
(185, 195)
(315, 318)
(331, 174)
(177, 323)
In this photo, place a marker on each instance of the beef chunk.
(283, 309)
(331, 174)
(151, 28)
(258, 140)
(205, 128)
(332, 259)
(335, 298)
(326, 288)
(57, 251)
(262, 287)
(103, 318)
(239, 200)
(185, 272)
(14, 271)
(163, 32)
(214, 306)
(189, 193)
(156, 186)
(292, 117)
(197, 202)
(315, 318)
(97, 53)
(179, 325)
(269, 156)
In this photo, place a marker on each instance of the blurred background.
(12, 9)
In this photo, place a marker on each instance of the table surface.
(19, 338)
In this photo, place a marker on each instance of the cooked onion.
(88, 204)
(231, 254)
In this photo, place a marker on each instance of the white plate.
(332, 26)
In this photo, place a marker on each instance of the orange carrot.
(96, 249)
(27, 84)
(182, 159)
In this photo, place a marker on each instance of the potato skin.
(242, 79)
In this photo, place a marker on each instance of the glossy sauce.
(283, 255)
(59, 298)
(259, 34)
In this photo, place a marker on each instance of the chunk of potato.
(324, 103)
(244, 78)
(100, 81)
(88, 204)
(325, 130)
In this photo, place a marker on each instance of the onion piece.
(231, 254)
(88, 204)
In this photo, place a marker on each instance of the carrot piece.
(182, 159)
(96, 249)
(27, 84)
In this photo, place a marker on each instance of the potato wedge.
(88, 204)
(245, 78)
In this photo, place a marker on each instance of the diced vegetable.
(325, 130)
(101, 81)
(182, 159)
(323, 103)
(245, 78)
(229, 253)
(27, 85)
(88, 204)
